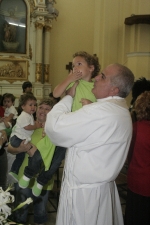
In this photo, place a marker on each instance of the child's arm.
(10, 117)
(33, 127)
(60, 88)
(7, 122)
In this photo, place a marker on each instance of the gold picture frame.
(13, 69)
(13, 26)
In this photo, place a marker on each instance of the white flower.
(5, 198)
(3, 220)
(5, 210)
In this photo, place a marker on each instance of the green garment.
(83, 90)
(8, 131)
(46, 149)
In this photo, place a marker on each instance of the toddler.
(10, 113)
(85, 68)
(25, 125)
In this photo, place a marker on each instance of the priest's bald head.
(114, 80)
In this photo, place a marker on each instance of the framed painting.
(13, 26)
(14, 69)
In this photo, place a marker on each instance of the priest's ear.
(114, 91)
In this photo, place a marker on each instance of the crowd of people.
(86, 121)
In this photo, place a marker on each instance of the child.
(23, 129)
(10, 113)
(26, 89)
(85, 67)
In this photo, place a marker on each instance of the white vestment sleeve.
(66, 128)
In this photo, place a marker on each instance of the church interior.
(39, 37)
(114, 31)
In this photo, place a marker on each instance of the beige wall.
(112, 37)
(73, 31)
(97, 26)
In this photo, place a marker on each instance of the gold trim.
(47, 28)
(30, 51)
(13, 69)
(32, 6)
(46, 72)
(38, 73)
(39, 25)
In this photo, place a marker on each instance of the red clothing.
(2, 111)
(139, 168)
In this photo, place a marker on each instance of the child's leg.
(45, 176)
(17, 162)
(34, 165)
(15, 142)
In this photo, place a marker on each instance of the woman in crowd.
(40, 213)
(140, 85)
(3, 160)
(138, 178)
(4, 135)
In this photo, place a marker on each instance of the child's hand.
(73, 76)
(38, 125)
(85, 101)
(43, 124)
(4, 119)
(71, 91)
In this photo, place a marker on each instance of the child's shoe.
(37, 189)
(24, 182)
(14, 177)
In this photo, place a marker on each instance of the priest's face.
(102, 85)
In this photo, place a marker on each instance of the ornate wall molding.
(38, 72)
(47, 28)
(39, 25)
(46, 73)
(13, 69)
(32, 6)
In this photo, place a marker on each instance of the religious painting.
(13, 69)
(13, 26)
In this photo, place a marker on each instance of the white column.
(38, 53)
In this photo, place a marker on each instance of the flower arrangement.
(5, 210)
